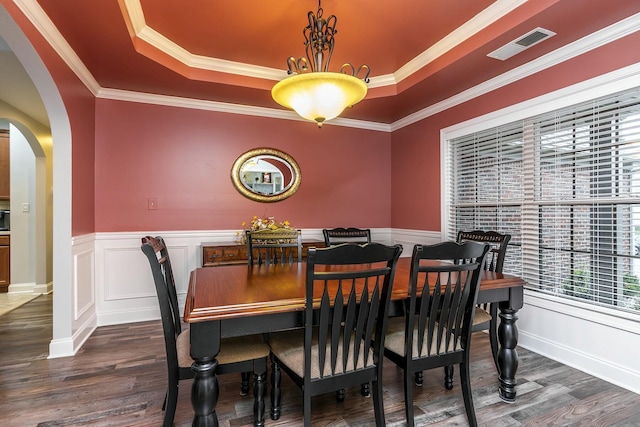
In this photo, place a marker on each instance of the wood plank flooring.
(118, 379)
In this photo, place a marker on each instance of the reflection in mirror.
(266, 175)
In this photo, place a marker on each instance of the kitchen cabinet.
(214, 254)
(5, 263)
(4, 165)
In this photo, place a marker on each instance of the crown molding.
(470, 28)
(603, 85)
(43, 24)
(600, 38)
(222, 107)
(135, 15)
(177, 52)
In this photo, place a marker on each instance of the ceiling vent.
(521, 43)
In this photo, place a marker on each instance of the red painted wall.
(415, 162)
(124, 153)
(183, 158)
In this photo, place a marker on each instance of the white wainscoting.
(123, 283)
(124, 286)
(79, 305)
(601, 342)
(590, 339)
(409, 238)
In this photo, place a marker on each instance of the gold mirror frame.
(236, 175)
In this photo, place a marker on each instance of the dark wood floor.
(118, 379)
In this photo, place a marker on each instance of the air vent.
(521, 43)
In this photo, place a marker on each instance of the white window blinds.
(566, 186)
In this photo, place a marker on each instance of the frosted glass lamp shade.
(319, 96)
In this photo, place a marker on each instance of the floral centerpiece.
(266, 224)
(258, 224)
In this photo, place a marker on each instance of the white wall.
(30, 213)
(22, 223)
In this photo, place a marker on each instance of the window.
(566, 186)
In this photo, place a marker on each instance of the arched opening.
(61, 344)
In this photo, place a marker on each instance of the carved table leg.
(205, 346)
(204, 392)
(507, 354)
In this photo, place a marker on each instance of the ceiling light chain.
(315, 93)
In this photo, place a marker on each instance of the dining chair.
(486, 317)
(336, 236)
(282, 245)
(436, 328)
(348, 289)
(271, 246)
(236, 354)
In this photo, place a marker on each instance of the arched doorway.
(61, 344)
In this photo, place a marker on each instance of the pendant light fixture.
(314, 92)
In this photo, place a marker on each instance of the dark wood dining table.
(239, 300)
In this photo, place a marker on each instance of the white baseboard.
(61, 348)
(128, 316)
(588, 363)
(66, 347)
(584, 337)
(22, 288)
(69, 346)
(43, 289)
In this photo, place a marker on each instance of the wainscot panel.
(579, 335)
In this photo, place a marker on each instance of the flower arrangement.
(268, 223)
(257, 224)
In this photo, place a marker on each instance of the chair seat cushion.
(394, 340)
(289, 348)
(232, 350)
(481, 316)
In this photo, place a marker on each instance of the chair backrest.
(282, 245)
(498, 242)
(348, 289)
(442, 296)
(156, 251)
(336, 236)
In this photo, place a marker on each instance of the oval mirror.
(266, 175)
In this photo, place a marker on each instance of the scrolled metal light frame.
(313, 70)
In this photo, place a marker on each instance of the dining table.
(240, 300)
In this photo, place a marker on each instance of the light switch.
(25, 207)
(152, 203)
